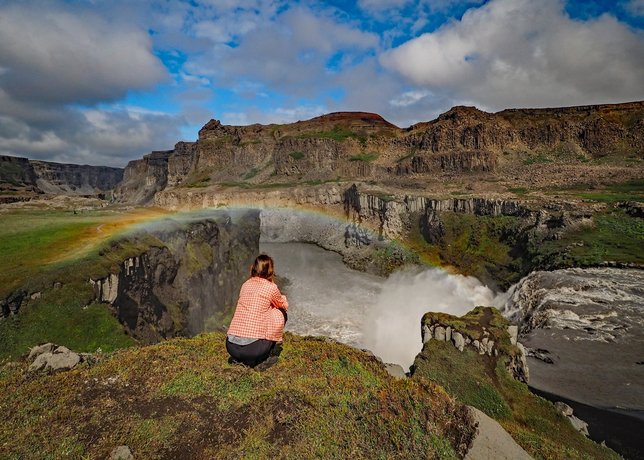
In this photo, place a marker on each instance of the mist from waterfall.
(391, 327)
(381, 314)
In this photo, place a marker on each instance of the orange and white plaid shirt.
(257, 315)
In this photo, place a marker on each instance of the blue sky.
(103, 82)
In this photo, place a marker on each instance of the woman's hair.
(263, 267)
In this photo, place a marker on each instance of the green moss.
(483, 246)
(251, 173)
(393, 256)
(61, 316)
(407, 156)
(321, 400)
(296, 155)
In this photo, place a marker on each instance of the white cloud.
(278, 115)
(511, 53)
(55, 56)
(635, 7)
(409, 98)
(287, 52)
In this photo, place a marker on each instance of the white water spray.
(382, 315)
(392, 326)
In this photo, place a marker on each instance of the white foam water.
(380, 314)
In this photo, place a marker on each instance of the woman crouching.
(260, 316)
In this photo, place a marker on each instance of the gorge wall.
(190, 282)
(21, 178)
(364, 146)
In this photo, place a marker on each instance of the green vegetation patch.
(518, 190)
(41, 254)
(483, 246)
(613, 236)
(365, 157)
(338, 133)
(182, 398)
(538, 158)
(296, 155)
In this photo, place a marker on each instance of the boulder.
(395, 370)
(567, 412)
(121, 453)
(448, 334)
(490, 347)
(492, 442)
(459, 341)
(579, 425)
(39, 350)
(60, 359)
(439, 333)
(564, 408)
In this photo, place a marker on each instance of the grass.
(182, 398)
(42, 248)
(500, 250)
(614, 236)
(628, 191)
(251, 173)
(337, 133)
(296, 155)
(482, 246)
(33, 242)
(405, 157)
(632, 190)
(365, 157)
(483, 382)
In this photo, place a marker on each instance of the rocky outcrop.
(189, 283)
(483, 337)
(21, 176)
(143, 178)
(576, 422)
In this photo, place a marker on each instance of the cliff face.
(21, 176)
(358, 146)
(191, 282)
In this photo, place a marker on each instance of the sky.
(104, 82)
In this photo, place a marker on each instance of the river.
(366, 311)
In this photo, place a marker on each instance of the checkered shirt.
(257, 315)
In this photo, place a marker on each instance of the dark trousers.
(251, 354)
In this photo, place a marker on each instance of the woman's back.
(257, 314)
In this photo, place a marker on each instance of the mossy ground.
(483, 382)
(42, 248)
(501, 250)
(181, 399)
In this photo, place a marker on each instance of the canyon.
(494, 199)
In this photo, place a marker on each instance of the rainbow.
(129, 221)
